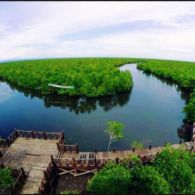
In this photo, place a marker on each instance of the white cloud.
(49, 23)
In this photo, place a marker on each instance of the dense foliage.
(6, 179)
(176, 167)
(183, 73)
(172, 171)
(112, 179)
(146, 179)
(90, 77)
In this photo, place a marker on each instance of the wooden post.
(7, 141)
(114, 150)
(16, 133)
(95, 161)
(117, 160)
(150, 147)
(23, 172)
(58, 146)
(44, 135)
(1, 154)
(77, 148)
(62, 135)
(52, 159)
(180, 142)
(45, 175)
(191, 149)
(33, 134)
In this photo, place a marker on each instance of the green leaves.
(146, 179)
(112, 179)
(171, 172)
(115, 129)
(137, 145)
(92, 77)
(6, 179)
(175, 166)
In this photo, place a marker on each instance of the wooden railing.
(3, 143)
(50, 174)
(67, 148)
(19, 182)
(32, 134)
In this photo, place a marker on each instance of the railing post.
(44, 135)
(191, 149)
(23, 172)
(33, 134)
(8, 141)
(17, 134)
(117, 160)
(58, 146)
(52, 160)
(95, 161)
(62, 135)
(77, 148)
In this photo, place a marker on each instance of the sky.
(164, 30)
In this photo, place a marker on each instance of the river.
(151, 113)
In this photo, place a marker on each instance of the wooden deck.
(34, 156)
(32, 151)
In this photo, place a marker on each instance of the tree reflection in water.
(78, 104)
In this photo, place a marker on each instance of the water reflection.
(5, 92)
(185, 95)
(77, 104)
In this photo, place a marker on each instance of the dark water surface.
(151, 112)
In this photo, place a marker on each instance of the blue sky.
(163, 30)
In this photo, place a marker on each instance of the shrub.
(175, 166)
(137, 145)
(111, 179)
(146, 179)
(6, 179)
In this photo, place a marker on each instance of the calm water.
(151, 112)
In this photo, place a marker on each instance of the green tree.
(175, 166)
(146, 179)
(111, 179)
(115, 131)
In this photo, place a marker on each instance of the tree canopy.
(111, 179)
(91, 77)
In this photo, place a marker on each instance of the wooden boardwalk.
(34, 156)
(112, 155)
(32, 151)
